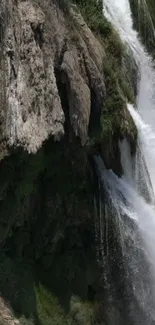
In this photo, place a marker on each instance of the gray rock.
(37, 38)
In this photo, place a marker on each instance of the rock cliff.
(65, 78)
(43, 46)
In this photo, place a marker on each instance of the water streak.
(135, 223)
(133, 196)
(119, 13)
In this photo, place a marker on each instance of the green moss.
(49, 221)
(49, 310)
(92, 13)
(144, 21)
(114, 48)
(115, 118)
(119, 86)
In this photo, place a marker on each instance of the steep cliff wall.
(64, 83)
(41, 47)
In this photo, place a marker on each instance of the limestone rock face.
(6, 314)
(43, 49)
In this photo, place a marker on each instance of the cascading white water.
(138, 244)
(119, 13)
(135, 170)
(126, 160)
(128, 201)
(146, 138)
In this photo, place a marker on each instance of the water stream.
(132, 197)
(133, 220)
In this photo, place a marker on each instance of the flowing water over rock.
(146, 139)
(119, 13)
(134, 241)
(130, 207)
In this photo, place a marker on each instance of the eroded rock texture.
(6, 314)
(50, 65)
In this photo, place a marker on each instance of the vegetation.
(49, 309)
(144, 22)
(115, 118)
(92, 12)
(46, 202)
(119, 87)
(120, 73)
(50, 312)
(47, 229)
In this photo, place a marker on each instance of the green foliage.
(144, 21)
(92, 12)
(114, 46)
(115, 120)
(49, 218)
(119, 87)
(49, 310)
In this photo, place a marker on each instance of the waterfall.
(134, 222)
(146, 142)
(130, 200)
(119, 13)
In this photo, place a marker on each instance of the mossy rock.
(49, 310)
(120, 76)
(144, 22)
(49, 221)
